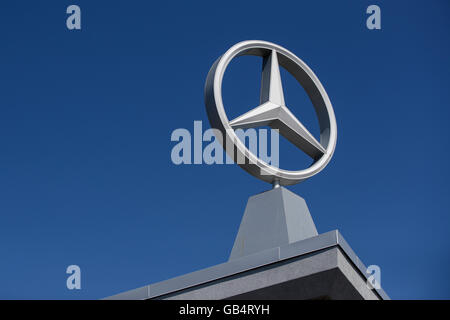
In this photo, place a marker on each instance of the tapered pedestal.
(272, 219)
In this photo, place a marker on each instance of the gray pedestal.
(272, 219)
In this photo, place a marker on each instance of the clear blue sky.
(86, 118)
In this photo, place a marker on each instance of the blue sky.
(86, 118)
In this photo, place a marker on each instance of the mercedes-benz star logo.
(273, 112)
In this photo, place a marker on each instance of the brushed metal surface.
(273, 112)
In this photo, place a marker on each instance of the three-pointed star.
(273, 112)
